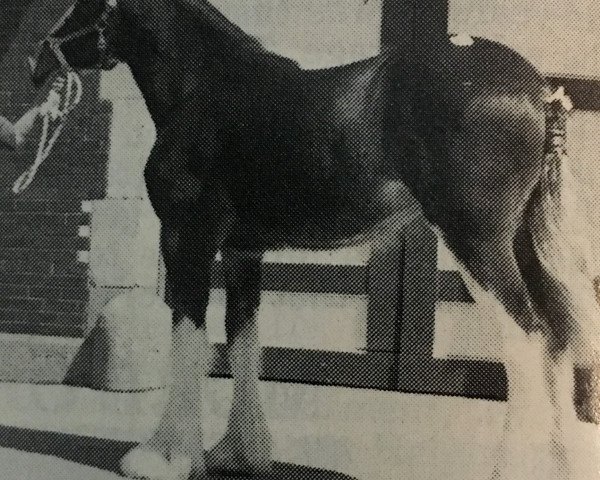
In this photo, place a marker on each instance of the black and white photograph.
(300, 239)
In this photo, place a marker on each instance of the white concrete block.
(133, 341)
(132, 134)
(124, 244)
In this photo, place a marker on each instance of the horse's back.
(318, 147)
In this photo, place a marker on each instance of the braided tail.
(562, 241)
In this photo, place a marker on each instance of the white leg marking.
(176, 448)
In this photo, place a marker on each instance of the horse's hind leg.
(531, 445)
(246, 445)
(572, 330)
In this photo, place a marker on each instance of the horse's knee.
(547, 293)
(242, 280)
(187, 293)
(243, 274)
(238, 262)
(186, 300)
(495, 267)
(180, 315)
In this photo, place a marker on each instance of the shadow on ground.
(104, 454)
(94, 452)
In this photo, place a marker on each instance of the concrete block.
(132, 133)
(128, 348)
(124, 247)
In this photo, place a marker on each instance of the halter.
(74, 87)
(55, 42)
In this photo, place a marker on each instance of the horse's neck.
(181, 45)
(173, 51)
(160, 95)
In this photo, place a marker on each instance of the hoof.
(228, 457)
(146, 464)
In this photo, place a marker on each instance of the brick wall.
(43, 286)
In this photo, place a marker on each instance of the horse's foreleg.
(246, 445)
(175, 450)
(178, 437)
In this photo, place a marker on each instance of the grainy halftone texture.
(255, 151)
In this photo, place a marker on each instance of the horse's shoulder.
(187, 124)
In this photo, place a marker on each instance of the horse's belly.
(319, 219)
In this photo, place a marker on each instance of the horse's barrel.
(131, 343)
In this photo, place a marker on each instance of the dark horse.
(255, 153)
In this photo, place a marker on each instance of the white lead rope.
(71, 100)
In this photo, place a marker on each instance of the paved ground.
(41, 454)
(71, 458)
(57, 432)
(19, 465)
(65, 433)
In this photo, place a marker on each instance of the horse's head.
(81, 39)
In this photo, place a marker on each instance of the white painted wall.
(559, 36)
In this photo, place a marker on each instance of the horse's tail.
(561, 240)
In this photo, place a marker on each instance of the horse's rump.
(466, 130)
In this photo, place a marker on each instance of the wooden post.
(386, 267)
(414, 25)
(419, 285)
